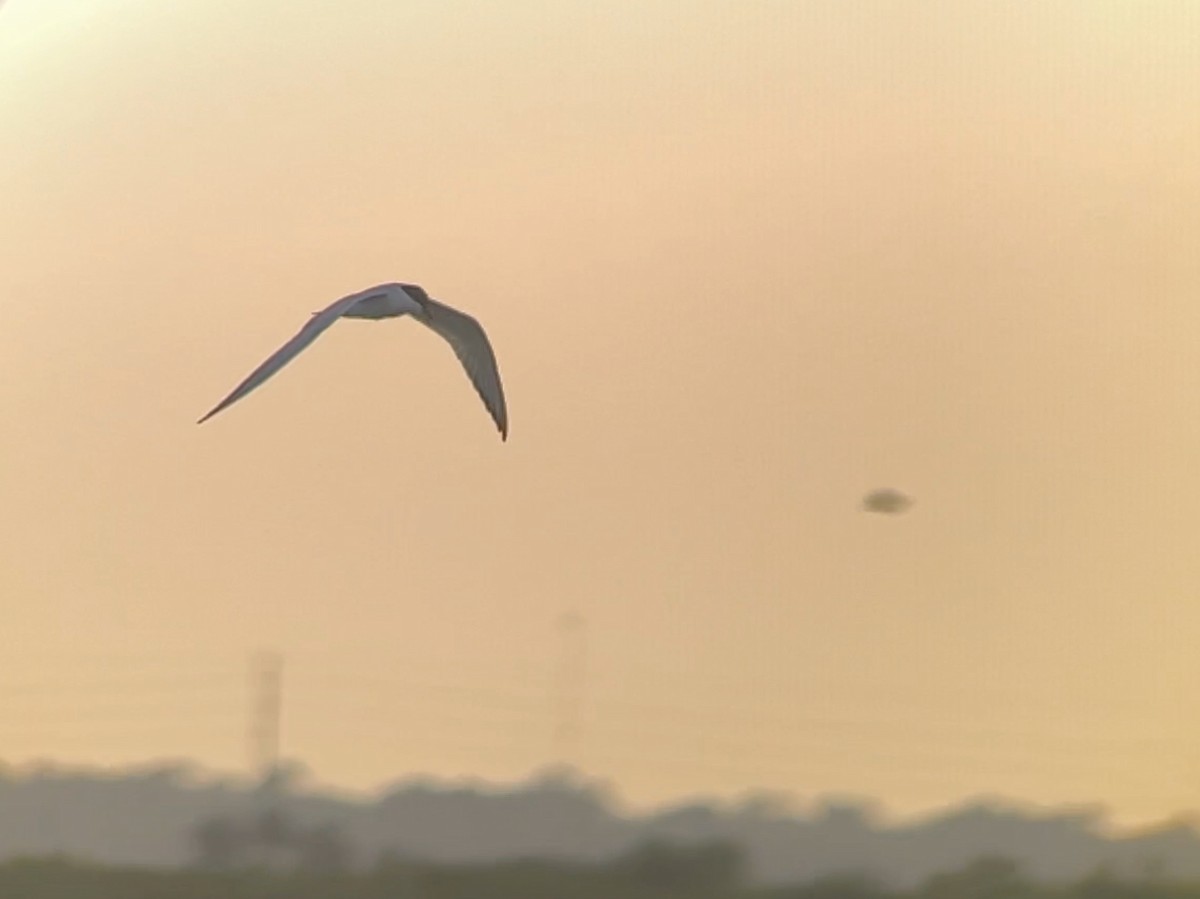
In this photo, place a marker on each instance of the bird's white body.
(393, 300)
(384, 301)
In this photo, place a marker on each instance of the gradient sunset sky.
(741, 262)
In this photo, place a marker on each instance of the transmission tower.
(266, 683)
(571, 686)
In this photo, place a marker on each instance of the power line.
(102, 703)
(760, 741)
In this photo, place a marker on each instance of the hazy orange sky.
(741, 262)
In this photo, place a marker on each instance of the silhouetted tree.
(989, 877)
(274, 828)
(1103, 883)
(324, 849)
(838, 886)
(659, 864)
(218, 843)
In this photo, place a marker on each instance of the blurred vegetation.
(173, 814)
(654, 870)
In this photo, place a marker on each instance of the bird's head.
(415, 292)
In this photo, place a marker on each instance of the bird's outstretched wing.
(312, 329)
(470, 344)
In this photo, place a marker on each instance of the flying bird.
(886, 501)
(464, 334)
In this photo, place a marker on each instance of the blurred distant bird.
(886, 501)
(464, 334)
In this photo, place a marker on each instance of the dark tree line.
(269, 839)
(655, 870)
